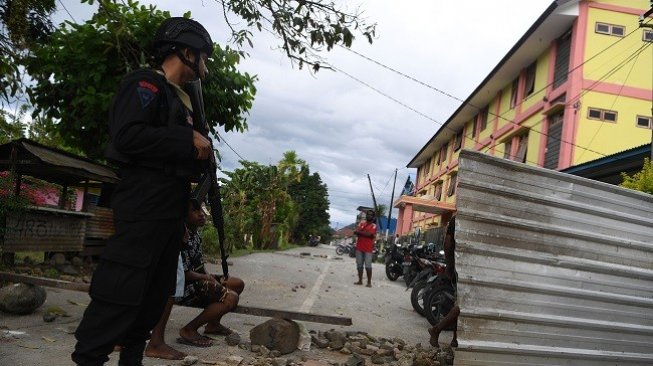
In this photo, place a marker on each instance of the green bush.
(51, 273)
(642, 180)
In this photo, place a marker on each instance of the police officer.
(157, 151)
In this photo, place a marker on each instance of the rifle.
(208, 189)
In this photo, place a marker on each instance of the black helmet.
(179, 31)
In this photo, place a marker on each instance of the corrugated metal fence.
(554, 269)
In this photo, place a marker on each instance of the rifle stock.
(208, 188)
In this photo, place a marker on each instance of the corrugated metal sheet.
(554, 269)
(100, 225)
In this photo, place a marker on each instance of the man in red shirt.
(366, 233)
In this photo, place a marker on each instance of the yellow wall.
(606, 137)
(636, 73)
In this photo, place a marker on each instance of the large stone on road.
(276, 334)
(21, 298)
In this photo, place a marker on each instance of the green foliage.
(269, 206)
(311, 197)
(304, 27)
(22, 23)
(210, 246)
(642, 180)
(51, 273)
(77, 72)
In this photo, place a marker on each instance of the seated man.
(451, 319)
(213, 293)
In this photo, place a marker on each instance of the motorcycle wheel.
(390, 272)
(339, 251)
(438, 302)
(417, 297)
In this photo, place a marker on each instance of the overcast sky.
(344, 129)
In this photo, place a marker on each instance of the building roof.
(554, 22)
(608, 169)
(53, 165)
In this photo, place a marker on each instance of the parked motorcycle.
(430, 270)
(394, 258)
(345, 249)
(439, 299)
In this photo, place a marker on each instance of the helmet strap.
(195, 66)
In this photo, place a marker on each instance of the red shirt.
(365, 244)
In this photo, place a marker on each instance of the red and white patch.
(148, 85)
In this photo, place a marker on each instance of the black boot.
(132, 355)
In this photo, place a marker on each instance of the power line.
(470, 104)
(221, 138)
(66, 9)
(615, 100)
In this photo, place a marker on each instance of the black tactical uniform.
(152, 139)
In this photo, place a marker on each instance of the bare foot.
(163, 351)
(192, 338)
(217, 330)
(434, 337)
(369, 284)
(358, 283)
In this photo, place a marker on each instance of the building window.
(482, 119)
(513, 93)
(610, 29)
(561, 66)
(443, 154)
(438, 191)
(647, 36)
(530, 79)
(452, 185)
(602, 115)
(645, 122)
(458, 142)
(506, 152)
(522, 146)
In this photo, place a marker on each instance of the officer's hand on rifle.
(202, 145)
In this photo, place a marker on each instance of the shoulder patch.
(146, 96)
(148, 85)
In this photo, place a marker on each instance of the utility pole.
(392, 198)
(376, 208)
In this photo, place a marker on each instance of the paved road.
(323, 283)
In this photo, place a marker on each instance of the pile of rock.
(392, 351)
(358, 348)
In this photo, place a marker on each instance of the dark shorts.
(205, 293)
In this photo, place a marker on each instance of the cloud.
(346, 130)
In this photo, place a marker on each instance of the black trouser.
(129, 290)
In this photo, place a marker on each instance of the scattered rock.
(21, 298)
(188, 360)
(86, 279)
(58, 259)
(319, 342)
(276, 334)
(77, 261)
(69, 270)
(255, 348)
(49, 317)
(234, 360)
(355, 360)
(345, 351)
(232, 339)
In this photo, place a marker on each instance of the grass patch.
(37, 257)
